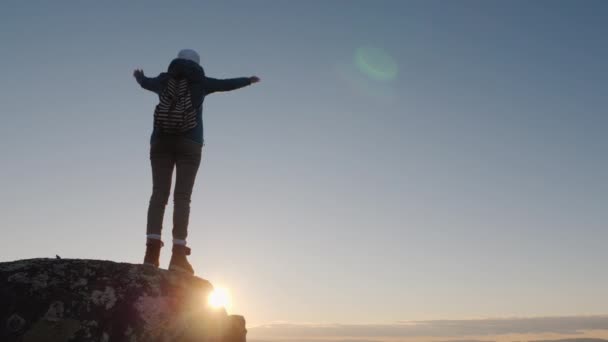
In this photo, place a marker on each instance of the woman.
(179, 150)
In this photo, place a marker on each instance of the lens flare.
(219, 298)
(376, 63)
(362, 85)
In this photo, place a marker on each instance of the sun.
(219, 298)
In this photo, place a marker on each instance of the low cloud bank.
(569, 325)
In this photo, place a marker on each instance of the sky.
(400, 161)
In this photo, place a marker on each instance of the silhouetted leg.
(162, 160)
(188, 159)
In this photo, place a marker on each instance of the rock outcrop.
(91, 300)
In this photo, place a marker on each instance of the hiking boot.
(178, 260)
(153, 247)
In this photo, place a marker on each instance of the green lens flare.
(376, 63)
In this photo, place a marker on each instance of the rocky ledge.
(93, 300)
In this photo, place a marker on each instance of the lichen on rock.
(14, 323)
(107, 298)
(55, 312)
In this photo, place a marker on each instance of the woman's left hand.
(138, 74)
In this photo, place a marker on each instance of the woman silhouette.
(179, 150)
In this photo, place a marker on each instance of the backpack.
(174, 113)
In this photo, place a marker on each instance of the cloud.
(574, 340)
(318, 340)
(463, 341)
(568, 325)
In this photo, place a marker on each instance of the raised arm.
(212, 84)
(152, 84)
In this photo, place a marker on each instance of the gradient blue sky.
(473, 184)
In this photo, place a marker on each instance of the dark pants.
(165, 154)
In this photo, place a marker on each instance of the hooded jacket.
(200, 86)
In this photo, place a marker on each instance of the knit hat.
(190, 55)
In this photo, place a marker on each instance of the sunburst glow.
(219, 298)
